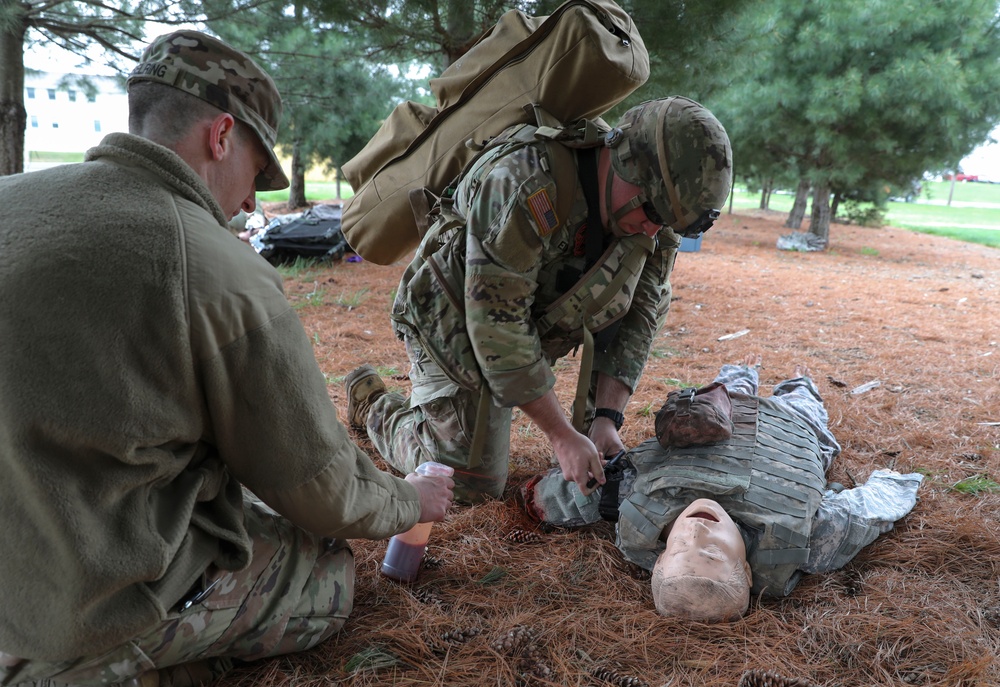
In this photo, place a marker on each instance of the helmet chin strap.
(681, 219)
(628, 207)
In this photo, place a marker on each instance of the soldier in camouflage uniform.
(156, 391)
(748, 515)
(502, 286)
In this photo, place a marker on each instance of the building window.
(91, 98)
(52, 94)
(31, 93)
(34, 122)
(72, 96)
(97, 125)
(55, 125)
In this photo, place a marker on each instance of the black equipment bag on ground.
(313, 234)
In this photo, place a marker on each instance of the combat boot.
(148, 679)
(364, 387)
(205, 671)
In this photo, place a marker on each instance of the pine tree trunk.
(834, 207)
(820, 222)
(461, 28)
(297, 182)
(12, 114)
(765, 194)
(798, 212)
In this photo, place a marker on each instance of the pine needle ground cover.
(899, 330)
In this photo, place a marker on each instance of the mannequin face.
(703, 542)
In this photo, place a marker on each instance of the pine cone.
(992, 615)
(617, 679)
(431, 562)
(515, 640)
(532, 651)
(427, 596)
(461, 635)
(765, 678)
(523, 537)
(536, 669)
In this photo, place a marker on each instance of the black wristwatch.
(612, 415)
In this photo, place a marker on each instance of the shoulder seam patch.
(540, 206)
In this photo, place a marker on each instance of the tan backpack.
(576, 63)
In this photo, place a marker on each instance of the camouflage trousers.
(297, 591)
(437, 423)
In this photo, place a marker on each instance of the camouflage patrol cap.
(679, 154)
(217, 73)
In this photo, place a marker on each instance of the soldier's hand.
(580, 460)
(605, 437)
(436, 495)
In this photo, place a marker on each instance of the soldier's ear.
(222, 135)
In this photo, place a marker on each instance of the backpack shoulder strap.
(587, 170)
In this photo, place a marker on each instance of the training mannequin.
(703, 570)
(750, 514)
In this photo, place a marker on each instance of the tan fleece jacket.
(150, 365)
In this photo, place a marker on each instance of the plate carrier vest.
(768, 477)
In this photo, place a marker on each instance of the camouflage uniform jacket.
(150, 366)
(478, 291)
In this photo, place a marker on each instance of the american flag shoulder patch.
(543, 212)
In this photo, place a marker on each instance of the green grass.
(352, 300)
(965, 192)
(373, 658)
(311, 299)
(675, 382)
(963, 223)
(495, 574)
(50, 156)
(300, 268)
(315, 190)
(975, 485)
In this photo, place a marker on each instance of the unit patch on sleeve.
(543, 212)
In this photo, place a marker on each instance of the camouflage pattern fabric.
(557, 502)
(849, 520)
(217, 73)
(692, 167)
(767, 476)
(514, 261)
(845, 522)
(472, 301)
(297, 591)
(799, 394)
(437, 423)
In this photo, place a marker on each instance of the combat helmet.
(679, 154)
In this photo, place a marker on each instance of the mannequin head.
(702, 573)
